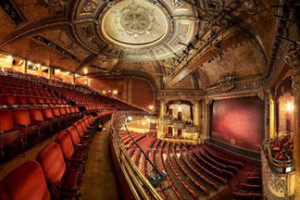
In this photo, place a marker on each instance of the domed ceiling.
(136, 29)
(175, 44)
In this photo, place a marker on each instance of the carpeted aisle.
(99, 181)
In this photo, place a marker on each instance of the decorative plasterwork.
(139, 28)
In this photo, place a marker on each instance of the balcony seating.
(11, 142)
(30, 131)
(26, 182)
(72, 156)
(37, 116)
(64, 182)
(77, 141)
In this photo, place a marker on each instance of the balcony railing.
(278, 175)
(138, 183)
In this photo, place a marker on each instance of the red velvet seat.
(71, 154)
(37, 116)
(21, 99)
(40, 100)
(9, 99)
(58, 116)
(82, 131)
(32, 100)
(55, 123)
(30, 130)
(26, 182)
(11, 142)
(64, 182)
(77, 141)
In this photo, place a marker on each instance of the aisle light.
(115, 92)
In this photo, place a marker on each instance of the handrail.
(139, 185)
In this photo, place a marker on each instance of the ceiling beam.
(87, 60)
(35, 28)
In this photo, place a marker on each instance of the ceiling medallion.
(135, 24)
(135, 20)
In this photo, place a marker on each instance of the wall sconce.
(151, 107)
(289, 106)
(115, 92)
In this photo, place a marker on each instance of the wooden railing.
(138, 183)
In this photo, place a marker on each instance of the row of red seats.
(22, 128)
(12, 100)
(215, 162)
(215, 169)
(221, 158)
(201, 187)
(162, 163)
(202, 168)
(178, 177)
(197, 173)
(57, 171)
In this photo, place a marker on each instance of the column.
(271, 114)
(50, 73)
(26, 65)
(196, 113)
(73, 79)
(206, 117)
(296, 90)
(161, 109)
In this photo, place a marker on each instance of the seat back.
(52, 161)
(74, 135)
(47, 112)
(36, 114)
(26, 182)
(65, 142)
(62, 111)
(56, 112)
(6, 120)
(22, 117)
(79, 129)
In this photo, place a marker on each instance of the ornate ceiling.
(173, 43)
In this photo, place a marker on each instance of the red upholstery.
(64, 182)
(9, 99)
(26, 182)
(75, 137)
(47, 112)
(62, 111)
(71, 155)
(65, 142)
(6, 120)
(56, 112)
(21, 99)
(22, 117)
(52, 161)
(36, 114)
(32, 100)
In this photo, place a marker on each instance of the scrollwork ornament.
(292, 58)
(277, 183)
